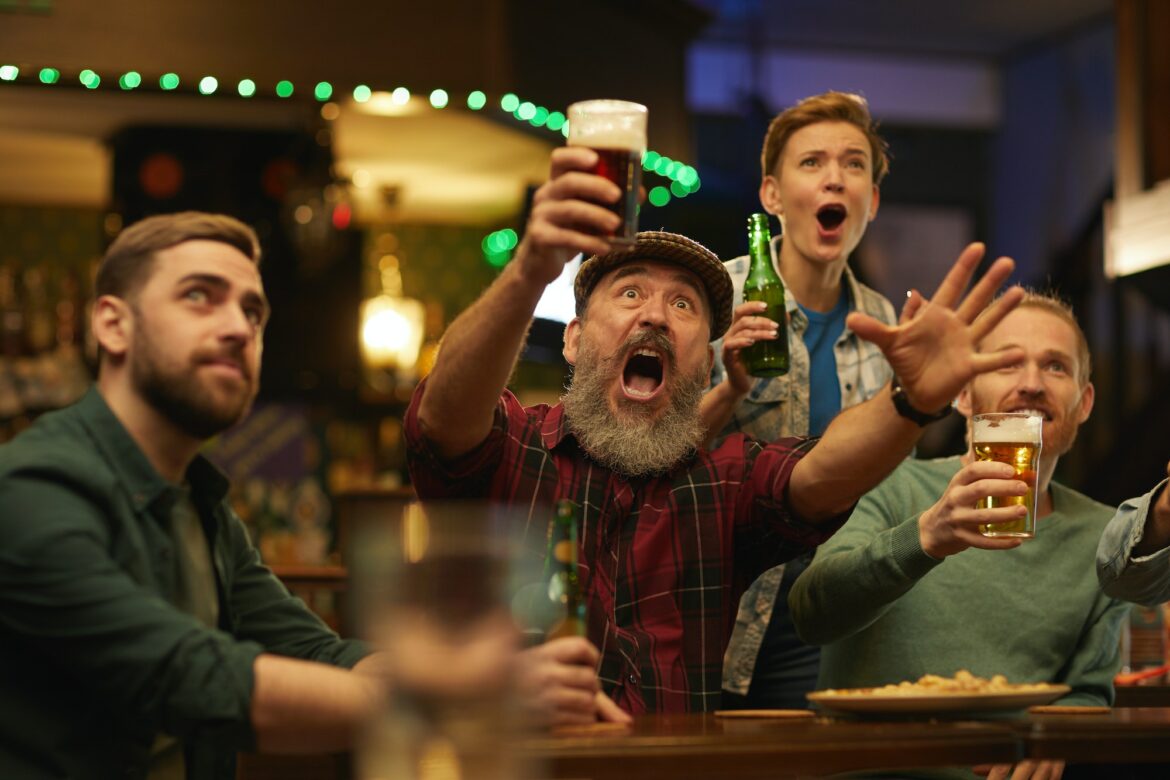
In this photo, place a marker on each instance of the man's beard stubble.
(179, 397)
(632, 443)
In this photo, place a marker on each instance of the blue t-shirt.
(824, 398)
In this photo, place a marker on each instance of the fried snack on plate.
(963, 683)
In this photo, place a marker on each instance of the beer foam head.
(608, 124)
(1007, 427)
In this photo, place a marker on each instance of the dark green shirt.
(95, 659)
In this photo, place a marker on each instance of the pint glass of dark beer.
(616, 130)
(1013, 438)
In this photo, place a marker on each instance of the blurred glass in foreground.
(438, 585)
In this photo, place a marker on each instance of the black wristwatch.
(907, 410)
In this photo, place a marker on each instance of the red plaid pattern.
(663, 560)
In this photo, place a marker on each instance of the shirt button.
(633, 678)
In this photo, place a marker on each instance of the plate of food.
(932, 694)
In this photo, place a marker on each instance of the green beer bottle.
(765, 358)
(564, 584)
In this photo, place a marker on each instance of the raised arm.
(1133, 557)
(933, 352)
(1156, 534)
(747, 327)
(482, 345)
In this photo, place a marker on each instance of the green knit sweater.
(886, 611)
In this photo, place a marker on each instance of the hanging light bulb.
(391, 326)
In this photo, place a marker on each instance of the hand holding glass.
(1013, 438)
(616, 130)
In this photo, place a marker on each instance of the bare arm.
(306, 707)
(1156, 535)
(933, 351)
(481, 347)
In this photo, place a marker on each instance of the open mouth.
(831, 216)
(642, 376)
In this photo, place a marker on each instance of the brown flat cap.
(666, 248)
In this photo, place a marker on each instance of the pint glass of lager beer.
(1013, 438)
(616, 130)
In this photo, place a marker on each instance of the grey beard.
(632, 443)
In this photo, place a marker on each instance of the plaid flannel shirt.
(663, 560)
(777, 408)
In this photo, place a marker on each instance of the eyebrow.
(1048, 353)
(251, 297)
(681, 277)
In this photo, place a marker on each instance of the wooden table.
(676, 747)
(1123, 736)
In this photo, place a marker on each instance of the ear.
(1085, 407)
(572, 339)
(770, 196)
(963, 402)
(874, 203)
(113, 325)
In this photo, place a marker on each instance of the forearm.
(478, 354)
(305, 707)
(717, 407)
(859, 448)
(1156, 533)
(855, 578)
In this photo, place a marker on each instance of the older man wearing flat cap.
(670, 534)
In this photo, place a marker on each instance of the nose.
(653, 313)
(236, 325)
(834, 179)
(1031, 380)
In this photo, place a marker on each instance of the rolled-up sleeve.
(1144, 579)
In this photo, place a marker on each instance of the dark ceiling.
(990, 29)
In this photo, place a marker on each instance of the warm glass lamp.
(392, 328)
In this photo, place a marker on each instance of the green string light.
(659, 196)
(684, 179)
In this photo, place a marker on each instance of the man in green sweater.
(909, 586)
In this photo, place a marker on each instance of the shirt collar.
(554, 428)
(143, 482)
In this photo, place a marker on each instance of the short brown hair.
(130, 258)
(826, 107)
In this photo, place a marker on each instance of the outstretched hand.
(932, 349)
(952, 524)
